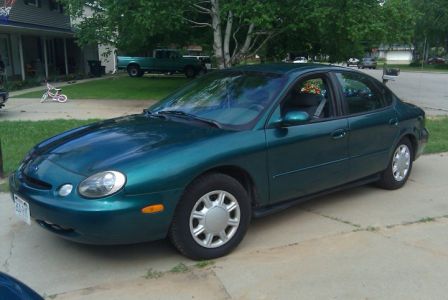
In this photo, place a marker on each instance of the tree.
(238, 29)
(431, 25)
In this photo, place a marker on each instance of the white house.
(106, 53)
(396, 53)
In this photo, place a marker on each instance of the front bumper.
(113, 220)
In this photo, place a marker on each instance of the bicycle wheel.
(62, 98)
(44, 97)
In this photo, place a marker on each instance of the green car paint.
(161, 154)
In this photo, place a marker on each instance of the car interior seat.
(306, 102)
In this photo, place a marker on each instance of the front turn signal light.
(151, 209)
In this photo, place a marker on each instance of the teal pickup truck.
(163, 61)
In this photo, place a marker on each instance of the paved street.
(363, 243)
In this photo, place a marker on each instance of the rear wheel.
(134, 71)
(211, 218)
(62, 98)
(190, 72)
(399, 168)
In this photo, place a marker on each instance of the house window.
(55, 6)
(35, 3)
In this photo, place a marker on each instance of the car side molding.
(272, 209)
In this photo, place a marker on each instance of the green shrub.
(415, 64)
(441, 67)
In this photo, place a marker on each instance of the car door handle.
(338, 134)
(393, 122)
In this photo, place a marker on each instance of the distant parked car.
(4, 95)
(12, 289)
(300, 60)
(352, 62)
(436, 61)
(367, 62)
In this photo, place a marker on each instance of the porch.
(39, 54)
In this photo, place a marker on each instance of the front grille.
(36, 183)
(55, 227)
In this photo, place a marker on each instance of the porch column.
(44, 40)
(22, 64)
(65, 56)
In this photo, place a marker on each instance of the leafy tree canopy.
(238, 29)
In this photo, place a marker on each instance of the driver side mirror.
(293, 118)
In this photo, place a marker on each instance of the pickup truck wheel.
(134, 71)
(190, 72)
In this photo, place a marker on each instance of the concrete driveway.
(363, 243)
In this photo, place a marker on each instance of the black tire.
(180, 233)
(141, 73)
(190, 72)
(134, 71)
(388, 181)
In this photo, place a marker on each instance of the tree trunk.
(246, 46)
(227, 35)
(217, 35)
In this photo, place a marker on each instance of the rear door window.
(359, 93)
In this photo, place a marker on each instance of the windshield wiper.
(149, 113)
(183, 114)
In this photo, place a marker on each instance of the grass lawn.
(121, 87)
(18, 137)
(438, 135)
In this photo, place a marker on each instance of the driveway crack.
(11, 248)
(221, 284)
(333, 218)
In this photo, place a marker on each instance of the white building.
(396, 53)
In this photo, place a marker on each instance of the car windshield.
(230, 99)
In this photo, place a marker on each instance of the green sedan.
(231, 145)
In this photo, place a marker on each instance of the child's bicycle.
(54, 93)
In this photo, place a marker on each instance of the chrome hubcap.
(401, 162)
(214, 219)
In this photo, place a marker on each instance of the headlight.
(102, 184)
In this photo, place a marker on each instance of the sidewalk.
(56, 84)
(362, 243)
(32, 109)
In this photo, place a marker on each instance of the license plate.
(22, 209)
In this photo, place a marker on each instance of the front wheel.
(211, 218)
(44, 97)
(62, 98)
(399, 168)
(190, 72)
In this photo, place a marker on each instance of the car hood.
(111, 144)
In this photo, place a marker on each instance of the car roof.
(287, 68)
